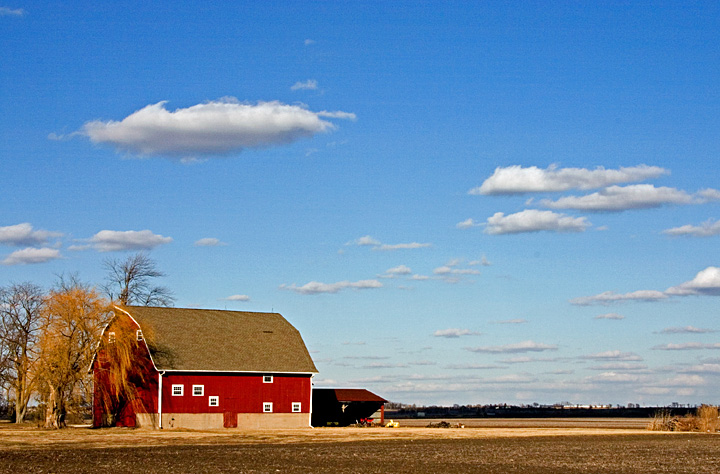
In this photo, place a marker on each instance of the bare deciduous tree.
(20, 327)
(129, 282)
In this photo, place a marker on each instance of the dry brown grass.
(706, 419)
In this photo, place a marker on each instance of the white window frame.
(178, 390)
(267, 379)
(139, 335)
(198, 393)
(296, 407)
(213, 401)
(267, 407)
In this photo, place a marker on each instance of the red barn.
(193, 368)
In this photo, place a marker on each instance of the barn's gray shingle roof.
(220, 340)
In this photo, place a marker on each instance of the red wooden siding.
(239, 393)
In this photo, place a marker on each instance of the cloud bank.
(621, 198)
(532, 220)
(24, 235)
(213, 128)
(316, 287)
(115, 240)
(519, 180)
(31, 255)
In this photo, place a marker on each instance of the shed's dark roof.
(353, 395)
(219, 340)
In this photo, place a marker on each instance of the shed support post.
(382, 414)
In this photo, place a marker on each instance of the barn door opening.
(230, 419)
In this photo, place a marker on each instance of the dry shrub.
(706, 419)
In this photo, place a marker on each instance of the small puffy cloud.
(209, 242)
(31, 255)
(706, 229)
(512, 321)
(614, 355)
(24, 235)
(309, 42)
(482, 262)
(316, 287)
(614, 316)
(239, 298)
(309, 85)
(213, 128)
(687, 346)
(686, 330)
(520, 347)
(447, 270)
(621, 198)
(400, 270)
(6, 11)
(467, 224)
(368, 241)
(517, 180)
(706, 282)
(609, 297)
(115, 240)
(453, 333)
(621, 366)
(532, 220)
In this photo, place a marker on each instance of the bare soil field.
(525, 449)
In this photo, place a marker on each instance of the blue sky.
(454, 203)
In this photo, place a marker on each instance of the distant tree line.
(48, 337)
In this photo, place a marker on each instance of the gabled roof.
(352, 394)
(221, 341)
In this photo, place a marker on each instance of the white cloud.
(531, 220)
(237, 298)
(5, 11)
(609, 297)
(394, 272)
(621, 366)
(309, 42)
(406, 246)
(516, 179)
(614, 316)
(377, 245)
(614, 377)
(309, 85)
(452, 333)
(446, 270)
(24, 235)
(115, 240)
(686, 330)
(483, 262)
(31, 255)
(316, 287)
(621, 198)
(520, 347)
(512, 321)
(706, 282)
(467, 224)
(614, 355)
(702, 369)
(209, 242)
(687, 346)
(706, 229)
(213, 128)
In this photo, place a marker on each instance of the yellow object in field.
(392, 424)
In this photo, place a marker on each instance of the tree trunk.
(55, 411)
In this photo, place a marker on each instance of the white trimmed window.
(111, 337)
(267, 379)
(177, 390)
(213, 401)
(138, 335)
(198, 390)
(267, 407)
(296, 407)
